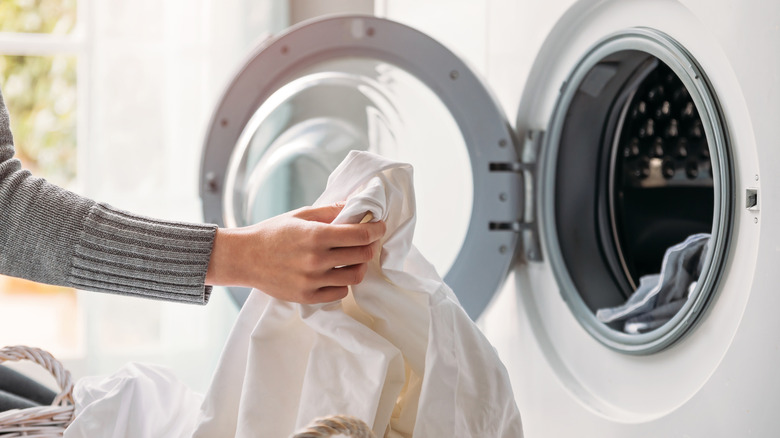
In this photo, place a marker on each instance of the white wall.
(499, 39)
(301, 10)
(461, 25)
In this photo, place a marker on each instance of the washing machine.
(640, 123)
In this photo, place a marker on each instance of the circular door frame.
(484, 259)
(683, 64)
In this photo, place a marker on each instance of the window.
(57, 17)
(110, 99)
(40, 92)
(41, 52)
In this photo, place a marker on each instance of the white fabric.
(399, 352)
(137, 401)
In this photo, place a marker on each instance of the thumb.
(324, 214)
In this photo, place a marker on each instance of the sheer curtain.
(156, 69)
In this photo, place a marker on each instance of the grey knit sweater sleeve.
(51, 235)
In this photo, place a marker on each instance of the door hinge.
(527, 226)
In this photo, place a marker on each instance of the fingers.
(324, 214)
(347, 235)
(328, 294)
(346, 275)
(310, 260)
(342, 235)
(337, 281)
(354, 255)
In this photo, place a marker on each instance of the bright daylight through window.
(38, 78)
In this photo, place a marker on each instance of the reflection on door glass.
(40, 93)
(38, 16)
(305, 129)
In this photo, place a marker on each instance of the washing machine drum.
(309, 96)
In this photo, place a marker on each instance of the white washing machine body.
(719, 378)
(306, 97)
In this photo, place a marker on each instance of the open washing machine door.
(307, 97)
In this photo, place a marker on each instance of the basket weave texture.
(336, 425)
(39, 421)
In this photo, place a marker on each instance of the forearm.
(54, 236)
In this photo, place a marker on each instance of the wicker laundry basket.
(39, 421)
(51, 421)
(336, 425)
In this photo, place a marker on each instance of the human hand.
(297, 256)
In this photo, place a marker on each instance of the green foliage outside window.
(40, 91)
(39, 16)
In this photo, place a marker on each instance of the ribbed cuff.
(132, 255)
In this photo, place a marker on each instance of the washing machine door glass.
(300, 134)
(322, 89)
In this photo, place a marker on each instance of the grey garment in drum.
(660, 296)
(51, 235)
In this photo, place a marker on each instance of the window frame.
(75, 43)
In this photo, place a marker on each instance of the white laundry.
(399, 352)
(660, 296)
(137, 401)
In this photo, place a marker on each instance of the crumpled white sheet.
(137, 401)
(399, 352)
